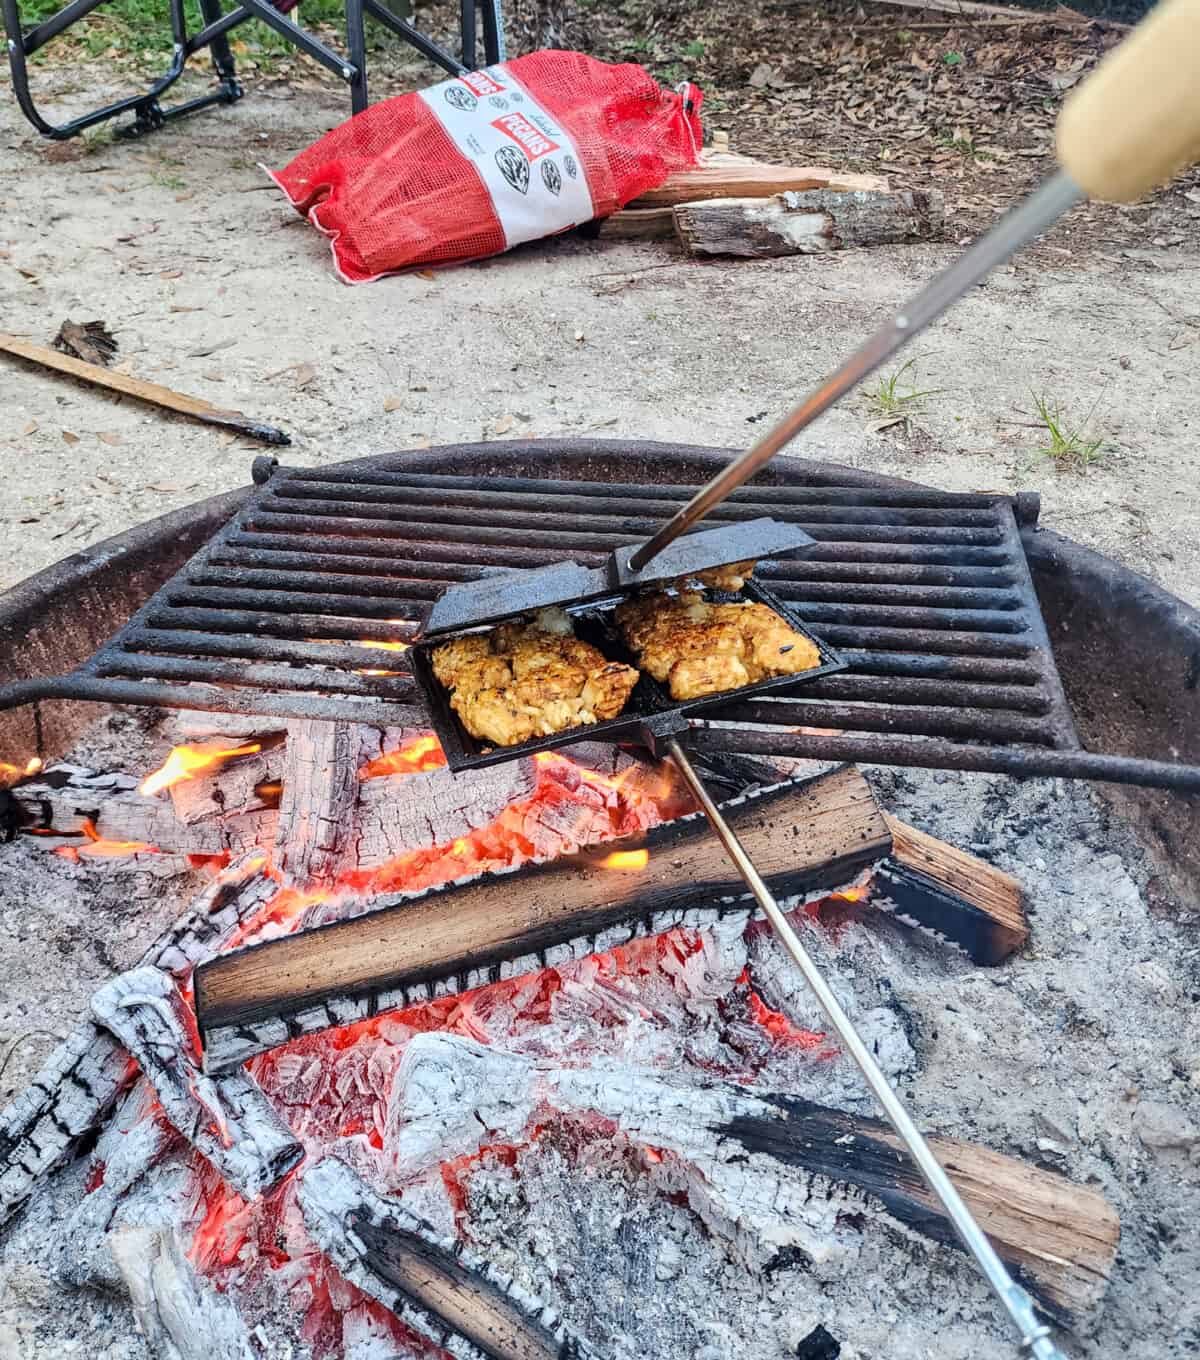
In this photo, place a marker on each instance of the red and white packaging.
(480, 163)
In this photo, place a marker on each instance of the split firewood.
(227, 1119)
(725, 174)
(947, 891)
(180, 1314)
(84, 1077)
(461, 1302)
(806, 223)
(90, 341)
(153, 393)
(767, 1171)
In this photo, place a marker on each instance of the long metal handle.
(1034, 1335)
(1029, 219)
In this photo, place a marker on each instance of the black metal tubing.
(1023, 762)
(493, 32)
(467, 26)
(150, 114)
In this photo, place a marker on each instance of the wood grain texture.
(724, 174)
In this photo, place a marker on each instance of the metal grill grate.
(925, 594)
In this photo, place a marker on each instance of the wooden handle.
(1135, 121)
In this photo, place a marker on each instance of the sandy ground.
(214, 286)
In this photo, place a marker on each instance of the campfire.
(403, 998)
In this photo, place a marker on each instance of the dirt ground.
(212, 285)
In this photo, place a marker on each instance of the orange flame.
(424, 753)
(626, 859)
(186, 762)
(9, 774)
(99, 847)
(385, 646)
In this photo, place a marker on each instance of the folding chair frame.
(149, 113)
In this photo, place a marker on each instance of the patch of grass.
(965, 144)
(1070, 449)
(173, 182)
(894, 396)
(694, 49)
(952, 58)
(141, 30)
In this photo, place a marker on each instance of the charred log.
(463, 1304)
(760, 1165)
(227, 1119)
(79, 1085)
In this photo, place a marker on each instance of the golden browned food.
(732, 577)
(699, 648)
(525, 680)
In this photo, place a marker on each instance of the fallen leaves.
(205, 350)
(29, 429)
(110, 439)
(392, 403)
(69, 437)
(502, 425)
(305, 374)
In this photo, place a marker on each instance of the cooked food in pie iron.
(530, 679)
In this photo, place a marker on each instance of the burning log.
(181, 1316)
(807, 837)
(81, 1082)
(804, 838)
(766, 1171)
(320, 782)
(463, 1304)
(227, 1119)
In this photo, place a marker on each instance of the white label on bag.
(527, 160)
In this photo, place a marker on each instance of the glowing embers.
(414, 757)
(96, 846)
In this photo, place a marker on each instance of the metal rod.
(1028, 220)
(1034, 1335)
(936, 753)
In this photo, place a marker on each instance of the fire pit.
(562, 1107)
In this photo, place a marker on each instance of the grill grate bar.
(307, 678)
(608, 514)
(508, 556)
(305, 627)
(160, 640)
(569, 542)
(913, 719)
(799, 569)
(677, 493)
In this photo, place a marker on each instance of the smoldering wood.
(461, 1302)
(233, 787)
(807, 223)
(317, 807)
(84, 1077)
(58, 803)
(227, 1119)
(804, 837)
(180, 1314)
(760, 1165)
(725, 174)
(131, 1144)
(951, 894)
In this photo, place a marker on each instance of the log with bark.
(84, 1077)
(806, 837)
(463, 1304)
(765, 1171)
(807, 223)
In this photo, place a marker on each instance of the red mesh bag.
(477, 164)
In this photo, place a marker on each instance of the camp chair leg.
(356, 45)
(493, 32)
(222, 56)
(467, 24)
